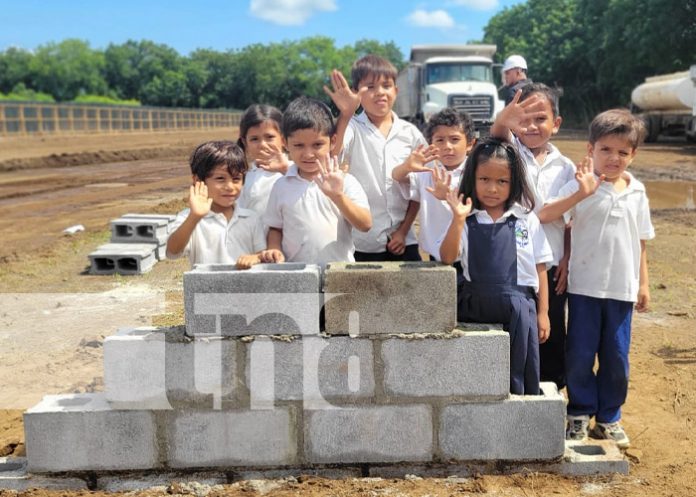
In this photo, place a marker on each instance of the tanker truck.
(667, 104)
(439, 76)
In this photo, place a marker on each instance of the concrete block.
(389, 297)
(591, 457)
(271, 299)
(529, 427)
(369, 434)
(170, 218)
(309, 368)
(276, 474)
(161, 368)
(201, 438)
(81, 432)
(122, 258)
(467, 364)
(138, 230)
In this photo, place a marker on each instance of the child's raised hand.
(460, 209)
(330, 177)
(517, 115)
(271, 158)
(199, 202)
(347, 101)
(442, 181)
(415, 163)
(588, 183)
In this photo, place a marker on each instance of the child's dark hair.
(371, 66)
(545, 91)
(451, 118)
(493, 148)
(308, 113)
(618, 122)
(209, 155)
(255, 115)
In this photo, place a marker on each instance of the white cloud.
(289, 12)
(434, 19)
(477, 4)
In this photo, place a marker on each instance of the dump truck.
(439, 76)
(667, 104)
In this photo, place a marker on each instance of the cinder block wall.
(193, 400)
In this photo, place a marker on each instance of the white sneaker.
(612, 431)
(578, 427)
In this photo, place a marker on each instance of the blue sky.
(233, 24)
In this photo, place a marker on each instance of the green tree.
(67, 69)
(14, 68)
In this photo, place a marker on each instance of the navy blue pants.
(552, 351)
(598, 328)
(410, 254)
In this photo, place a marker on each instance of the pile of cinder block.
(254, 383)
(138, 241)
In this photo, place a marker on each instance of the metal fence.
(25, 118)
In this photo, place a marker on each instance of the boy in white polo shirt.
(451, 137)
(608, 273)
(313, 208)
(375, 142)
(530, 121)
(213, 230)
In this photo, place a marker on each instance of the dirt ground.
(54, 316)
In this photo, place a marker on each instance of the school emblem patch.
(521, 236)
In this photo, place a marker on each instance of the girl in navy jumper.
(503, 252)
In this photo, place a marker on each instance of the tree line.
(596, 51)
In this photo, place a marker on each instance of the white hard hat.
(514, 61)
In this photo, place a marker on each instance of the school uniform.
(546, 180)
(603, 283)
(372, 157)
(257, 188)
(216, 241)
(500, 283)
(314, 230)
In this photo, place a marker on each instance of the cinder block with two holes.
(139, 229)
(123, 258)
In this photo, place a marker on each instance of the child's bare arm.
(588, 183)
(273, 252)
(397, 240)
(449, 250)
(543, 322)
(330, 181)
(643, 302)
(516, 116)
(415, 162)
(561, 275)
(199, 205)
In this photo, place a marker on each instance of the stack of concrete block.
(138, 241)
(252, 383)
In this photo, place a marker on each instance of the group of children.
(525, 229)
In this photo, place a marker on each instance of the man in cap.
(514, 76)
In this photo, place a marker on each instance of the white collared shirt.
(215, 241)
(532, 246)
(434, 216)
(605, 247)
(545, 181)
(314, 230)
(372, 158)
(257, 188)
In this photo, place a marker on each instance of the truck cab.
(458, 76)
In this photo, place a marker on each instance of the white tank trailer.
(667, 104)
(439, 76)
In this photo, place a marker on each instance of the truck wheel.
(653, 124)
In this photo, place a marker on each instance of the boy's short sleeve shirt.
(314, 230)
(546, 180)
(257, 189)
(215, 241)
(434, 216)
(532, 246)
(372, 157)
(607, 230)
